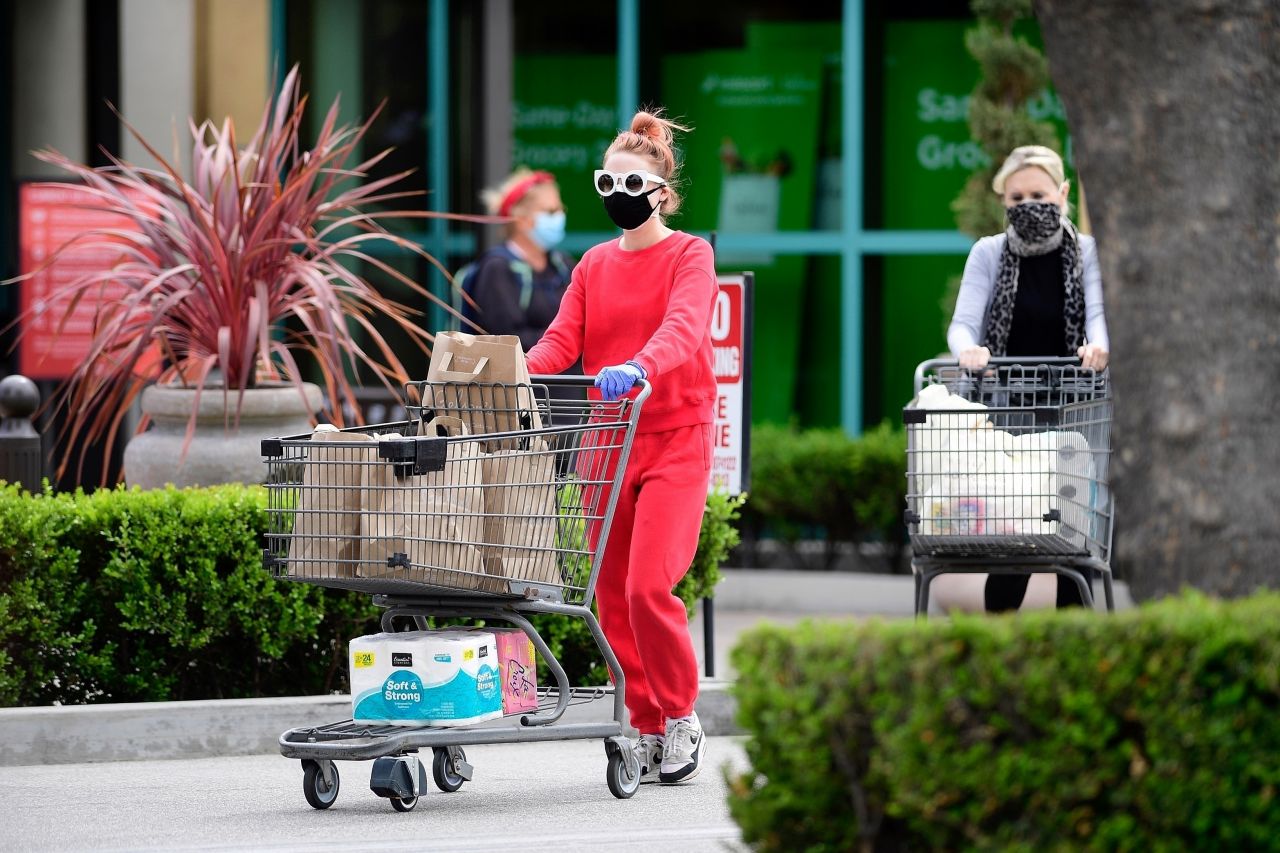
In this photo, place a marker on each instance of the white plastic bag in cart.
(520, 511)
(1068, 460)
(1042, 471)
(326, 526)
(997, 504)
(433, 522)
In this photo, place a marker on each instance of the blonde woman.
(517, 286)
(1033, 290)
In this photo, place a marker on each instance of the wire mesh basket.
(1009, 462)
(497, 490)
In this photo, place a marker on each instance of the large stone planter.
(218, 453)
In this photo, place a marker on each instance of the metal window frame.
(853, 242)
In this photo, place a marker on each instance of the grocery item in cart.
(520, 513)
(425, 678)
(488, 383)
(326, 528)
(518, 664)
(1010, 492)
(1065, 456)
(426, 528)
(956, 441)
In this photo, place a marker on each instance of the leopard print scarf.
(1036, 228)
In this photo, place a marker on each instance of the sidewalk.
(749, 597)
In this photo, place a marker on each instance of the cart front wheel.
(404, 805)
(621, 783)
(319, 793)
(442, 769)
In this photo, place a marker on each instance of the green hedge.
(122, 596)
(1154, 729)
(823, 484)
(129, 595)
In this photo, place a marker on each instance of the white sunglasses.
(631, 183)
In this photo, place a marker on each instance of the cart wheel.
(447, 779)
(621, 783)
(318, 793)
(405, 805)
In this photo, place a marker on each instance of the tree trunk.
(1174, 108)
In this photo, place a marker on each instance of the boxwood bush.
(1154, 729)
(130, 595)
(826, 485)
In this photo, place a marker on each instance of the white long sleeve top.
(977, 288)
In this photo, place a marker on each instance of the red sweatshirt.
(651, 306)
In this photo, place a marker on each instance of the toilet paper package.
(425, 678)
(518, 665)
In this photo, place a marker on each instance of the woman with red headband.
(517, 286)
(640, 307)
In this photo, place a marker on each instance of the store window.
(564, 110)
(366, 54)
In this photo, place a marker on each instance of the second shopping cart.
(1007, 472)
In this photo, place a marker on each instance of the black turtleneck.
(1039, 324)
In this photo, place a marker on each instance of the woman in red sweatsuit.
(640, 307)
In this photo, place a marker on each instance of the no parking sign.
(730, 343)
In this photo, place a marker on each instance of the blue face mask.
(548, 229)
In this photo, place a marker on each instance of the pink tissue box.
(517, 660)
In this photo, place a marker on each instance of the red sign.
(726, 332)
(49, 216)
(730, 437)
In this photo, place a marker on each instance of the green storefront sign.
(928, 157)
(565, 130)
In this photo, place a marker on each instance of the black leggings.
(1005, 592)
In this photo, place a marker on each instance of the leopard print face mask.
(1036, 228)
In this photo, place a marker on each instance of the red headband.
(520, 189)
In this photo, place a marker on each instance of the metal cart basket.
(489, 502)
(1007, 472)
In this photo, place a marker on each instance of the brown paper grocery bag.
(326, 526)
(520, 507)
(435, 520)
(469, 363)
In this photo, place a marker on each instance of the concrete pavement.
(526, 797)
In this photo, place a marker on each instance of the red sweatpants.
(651, 545)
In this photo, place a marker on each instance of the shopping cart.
(1007, 472)
(402, 516)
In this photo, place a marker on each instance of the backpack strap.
(466, 279)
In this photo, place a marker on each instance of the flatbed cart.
(1007, 472)
(432, 552)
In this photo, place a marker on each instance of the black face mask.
(629, 211)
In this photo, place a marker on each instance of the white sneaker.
(648, 750)
(684, 751)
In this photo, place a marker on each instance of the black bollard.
(20, 447)
(709, 636)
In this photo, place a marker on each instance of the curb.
(833, 593)
(215, 728)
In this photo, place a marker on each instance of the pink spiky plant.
(234, 273)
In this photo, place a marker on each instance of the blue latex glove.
(616, 381)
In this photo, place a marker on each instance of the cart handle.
(1001, 361)
(572, 381)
